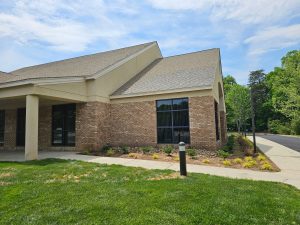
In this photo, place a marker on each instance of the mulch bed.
(203, 157)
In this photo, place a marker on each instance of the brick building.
(131, 96)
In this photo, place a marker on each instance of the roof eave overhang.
(41, 81)
(180, 90)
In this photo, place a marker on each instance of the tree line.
(275, 99)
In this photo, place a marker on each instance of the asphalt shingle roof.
(5, 76)
(192, 70)
(83, 66)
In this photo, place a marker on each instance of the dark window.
(21, 124)
(217, 121)
(2, 126)
(63, 125)
(173, 121)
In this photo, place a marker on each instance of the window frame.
(21, 127)
(217, 127)
(65, 129)
(2, 128)
(172, 126)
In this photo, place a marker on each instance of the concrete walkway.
(286, 159)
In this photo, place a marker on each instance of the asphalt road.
(288, 141)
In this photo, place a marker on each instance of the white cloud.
(273, 38)
(60, 24)
(180, 5)
(246, 12)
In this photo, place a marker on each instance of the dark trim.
(63, 109)
(172, 127)
(21, 127)
(216, 107)
(2, 126)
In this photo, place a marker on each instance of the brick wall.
(202, 122)
(92, 125)
(10, 129)
(133, 124)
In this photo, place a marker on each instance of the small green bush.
(105, 148)
(168, 149)
(230, 142)
(146, 149)
(223, 154)
(125, 149)
(110, 152)
(225, 149)
(191, 152)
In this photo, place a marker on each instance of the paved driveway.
(288, 141)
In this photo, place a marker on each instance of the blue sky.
(251, 34)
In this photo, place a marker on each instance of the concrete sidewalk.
(286, 159)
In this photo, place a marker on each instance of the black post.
(253, 120)
(182, 159)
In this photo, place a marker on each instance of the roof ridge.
(78, 57)
(189, 53)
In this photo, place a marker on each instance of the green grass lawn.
(71, 192)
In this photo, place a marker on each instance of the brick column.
(202, 122)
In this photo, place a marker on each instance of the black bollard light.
(182, 159)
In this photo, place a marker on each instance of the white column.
(31, 135)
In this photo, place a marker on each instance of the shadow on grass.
(42, 162)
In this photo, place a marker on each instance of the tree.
(284, 83)
(260, 95)
(228, 82)
(238, 98)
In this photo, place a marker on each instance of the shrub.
(260, 157)
(191, 152)
(266, 166)
(206, 161)
(248, 159)
(230, 142)
(133, 155)
(168, 149)
(110, 152)
(238, 161)
(226, 163)
(225, 149)
(222, 154)
(105, 148)
(277, 127)
(249, 164)
(155, 156)
(125, 149)
(146, 149)
(245, 144)
(296, 126)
